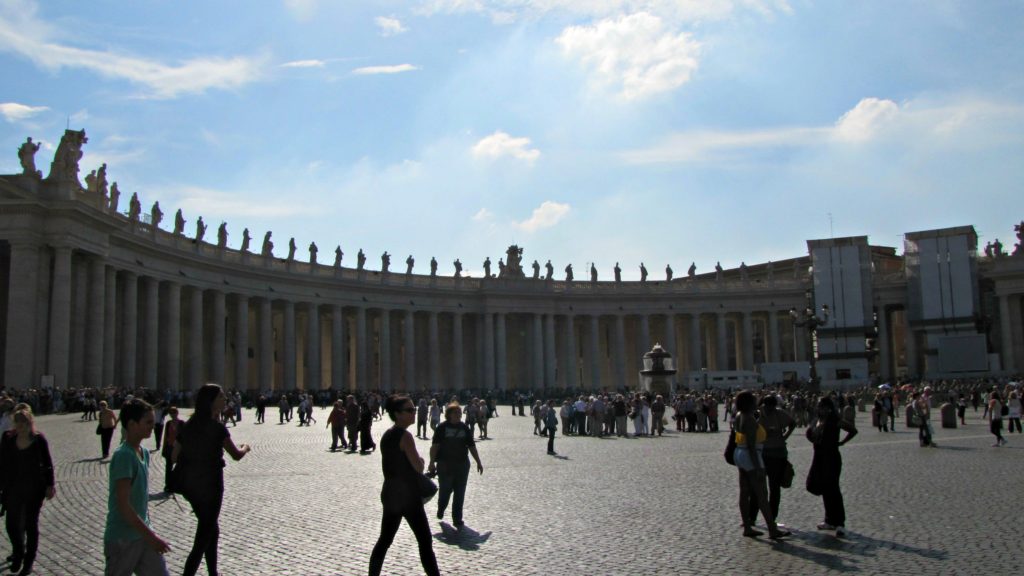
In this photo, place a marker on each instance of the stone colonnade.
(76, 316)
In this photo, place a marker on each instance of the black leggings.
(207, 513)
(106, 434)
(417, 520)
(23, 525)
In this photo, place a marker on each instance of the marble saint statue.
(200, 230)
(693, 270)
(313, 250)
(536, 270)
(222, 235)
(668, 272)
(458, 268)
(385, 261)
(643, 272)
(267, 250)
(155, 215)
(27, 157)
(134, 207)
(487, 267)
(360, 260)
(409, 262)
(618, 272)
(245, 239)
(593, 273)
(115, 197)
(337, 256)
(179, 219)
(291, 249)
(433, 266)
(568, 273)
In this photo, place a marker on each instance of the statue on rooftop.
(458, 268)
(27, 157)
(718, 272)
(222, 235)
(1018, 248)
(115, 197)
(513, 263)
(90, 181)
(487, 267)
(385, 261)
(988, 250)
(997, 249)
(643, 272)
(245, 239)
(200, 230)
(134, 207)
(409, 262)
(693, 270)
(568, 273)
(618, 272)
(179, 220)
(291, 249)
(64, 167)
(101, 179)
(593, 273)
(155, 215)
(360, 260)
(433, 266)
(536, 270)
(668, 272)
(550, 271)
(501, 268)
(267, 251)
(743, 271)
(313, 250)
(338, 254)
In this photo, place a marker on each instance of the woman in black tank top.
(401, 464)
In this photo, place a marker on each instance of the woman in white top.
(1014, 404)
(995, 418)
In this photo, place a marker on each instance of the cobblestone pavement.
(603, 506)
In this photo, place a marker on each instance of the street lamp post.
(809, 318)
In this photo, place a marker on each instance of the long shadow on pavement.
(467, 538)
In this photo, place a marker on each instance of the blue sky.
(602, 131)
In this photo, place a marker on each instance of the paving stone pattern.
(603, 506)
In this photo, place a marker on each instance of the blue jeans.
(452, 479)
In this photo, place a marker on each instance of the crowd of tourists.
(760, 424)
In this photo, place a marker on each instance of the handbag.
(730, 449)
(99, 429)
(427, 487)
(787, 475)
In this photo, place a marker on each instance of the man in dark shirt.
(449, 457)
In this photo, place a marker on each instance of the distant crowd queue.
(760, 425)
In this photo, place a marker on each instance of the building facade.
(92, 295)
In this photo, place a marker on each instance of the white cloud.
(218, 204)
(483, 215)
(22, 33)
(962, 122)
(304, 64)
(302, 9)
(13, 112)
(637, 53)
(396, 69)
(501, 144)
(504, 11)
(546, 215)
(389, 26)
(862, 122)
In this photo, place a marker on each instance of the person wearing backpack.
(199, 456)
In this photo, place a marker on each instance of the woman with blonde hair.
(449, 457)
(27, 479)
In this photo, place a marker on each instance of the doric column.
(266, 336)
(60, 318)
(195, 338)
(773, 336)
(620, 350)
(458, 374)
(361, 381)
(434, 349)
(289, 375)
(594, 351)
(644, 337)
(385, 351)
(217, 337)
(79, 306)
(747, 341)
(172, 334)
(312, 371)
(241, 342)
(670, 340)
(721, 353)
(571, 355)
(550, 362)
(110, 326)
(409, 343)
(339, 352)
(95, 323)
(151, 338)
(537, 348)
(501, 345)
(884, 345)
(129, 328)
(488, 351)
(695, 346)
(1005, 334)
(22, 301)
